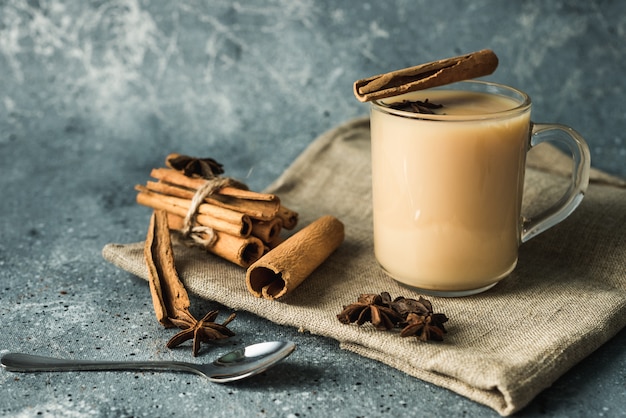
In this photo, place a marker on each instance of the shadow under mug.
(447, 188)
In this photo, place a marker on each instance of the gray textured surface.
(94, 94)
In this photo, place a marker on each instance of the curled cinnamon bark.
(218, 214)
(424, 76)
(242, 251)
(285, 267)
(267, 231)
(215, 217)
(257, 205)
(169, 296)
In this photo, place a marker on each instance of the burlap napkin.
(566, 297)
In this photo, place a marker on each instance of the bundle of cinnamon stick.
(237, 224)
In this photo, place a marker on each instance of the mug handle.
(544, 132)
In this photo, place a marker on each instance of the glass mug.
(447, 187)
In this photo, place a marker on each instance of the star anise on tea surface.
(200, 331)
(206, 168)
(369, 308)
(416, 106)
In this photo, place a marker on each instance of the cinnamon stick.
(267, 231)
(169, 297)
(288, 216)
(253, 209)
(262, 206)
(245, 224)
(175, 177)
(221, 220)
(424, 76)
(285, 267)
(242, 251)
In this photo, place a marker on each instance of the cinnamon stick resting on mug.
(425, 76)
(285, 267)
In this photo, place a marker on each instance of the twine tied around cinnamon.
(200, 234)
(224, 217)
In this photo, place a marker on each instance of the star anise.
(405, 306)
(203, 330)
(419, 319)
(414, 316)
(416, 106)
(424, 327)
(369, 307)
(206, 168)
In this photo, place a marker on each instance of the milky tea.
(447, 188)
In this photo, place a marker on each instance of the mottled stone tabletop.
(93, 94)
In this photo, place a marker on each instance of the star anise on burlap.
(369, 308)
(404, 306)
(203, 330)
(206, 168)
(419, 319)
(414, 316)
(424, 327)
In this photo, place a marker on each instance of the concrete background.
(93, 94)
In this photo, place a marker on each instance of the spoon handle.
(19, 362)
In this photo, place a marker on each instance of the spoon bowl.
(239, 364)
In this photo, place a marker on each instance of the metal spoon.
(238, 364)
